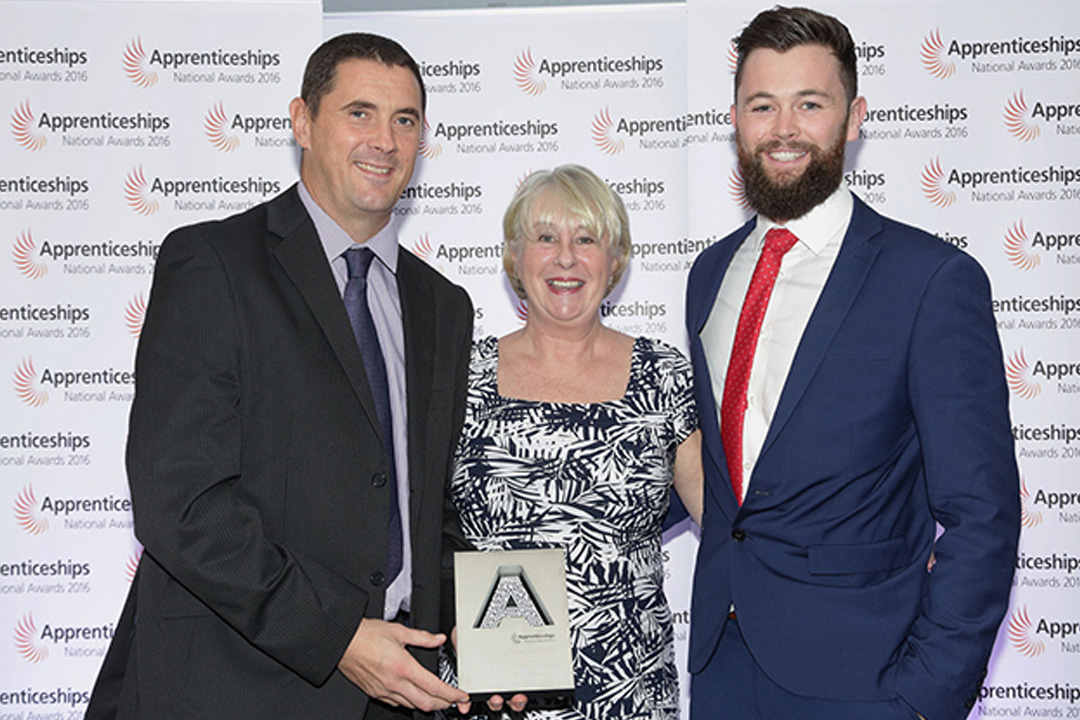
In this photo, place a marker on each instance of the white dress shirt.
(803, 273)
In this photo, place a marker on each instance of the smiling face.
(564, 268)
(360, 148)
(792, 120)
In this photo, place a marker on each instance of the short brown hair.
(322, 65)
(783, 28)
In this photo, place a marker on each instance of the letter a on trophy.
(512, 596)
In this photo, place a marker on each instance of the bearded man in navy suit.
(865, 405)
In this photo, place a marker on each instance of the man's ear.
(856, 114)
(298, 112)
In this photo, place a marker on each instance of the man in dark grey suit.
(266, 456)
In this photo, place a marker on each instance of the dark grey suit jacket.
(254, 457)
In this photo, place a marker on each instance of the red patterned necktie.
(733, 406)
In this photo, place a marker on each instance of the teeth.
(565, 284)
(372, 168)
(786, 155)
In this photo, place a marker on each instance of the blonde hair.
(572, 193)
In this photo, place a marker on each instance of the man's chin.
(782, 178)
(782, 182)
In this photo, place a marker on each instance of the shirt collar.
(336, 241)
(817, 228)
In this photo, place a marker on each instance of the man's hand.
(378, 663)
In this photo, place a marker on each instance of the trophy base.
(538, 700)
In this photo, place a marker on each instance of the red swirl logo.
(132, 564)
(732, 58)
(422, 248)
(137, 193)
(25, 632)
(1018, 248)
(1017, 374)
(26, 515)
(22, 252)
(1016, 119)
(932, 179)
(22, 122)
(521, 179)
(521, 312)
(737, 189)
(932, 51)
(136, 65)
(1022, 634)
(525, 74)
(1029, 517)
(427, 149)
(603, 133)
(26, 385)
(134, 315)
(215, 125)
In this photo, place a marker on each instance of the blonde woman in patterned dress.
(574, 435)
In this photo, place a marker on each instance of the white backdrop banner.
(510, 92)
(126, 119)
(973, 134)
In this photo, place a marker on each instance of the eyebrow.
(359, 105)
(367, 105)
(763, 95)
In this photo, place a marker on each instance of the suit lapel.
(702, 305)
(698, 311)
(302, 257)
(418, 320)
(845, 280)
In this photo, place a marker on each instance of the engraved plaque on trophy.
(513, 628)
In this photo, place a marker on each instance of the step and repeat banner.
(122, 120)
(126, 119)
(973, 134)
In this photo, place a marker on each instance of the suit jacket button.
(738, 534)
(378, 480)
(377, 578)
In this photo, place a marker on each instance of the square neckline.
(635, 361)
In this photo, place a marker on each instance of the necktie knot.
(358, 260)
(779, 240)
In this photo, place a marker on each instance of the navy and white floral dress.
(592, 478)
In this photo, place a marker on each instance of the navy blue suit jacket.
(894, 415)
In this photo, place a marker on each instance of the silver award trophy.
(513, 629)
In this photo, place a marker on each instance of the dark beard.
(794, 198)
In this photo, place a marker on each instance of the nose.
(382, 137)
(785, 126)
(566, 256)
